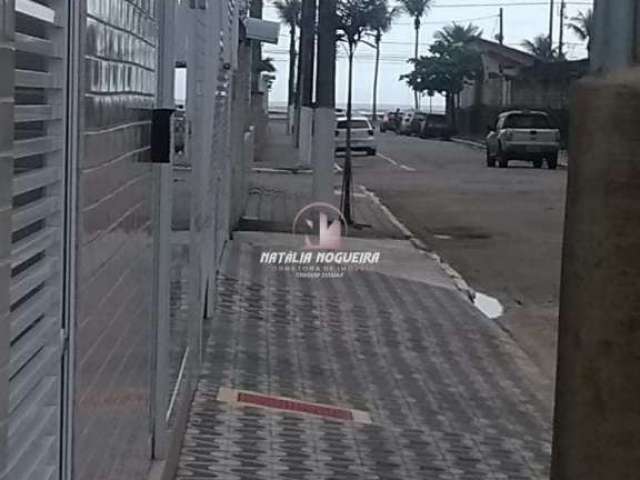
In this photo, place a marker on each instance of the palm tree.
(380, 24)
(458, 34)
(289, 13)
(455, 36)
(582, 26)
(354, 20)
(541, 47)
(416, 9)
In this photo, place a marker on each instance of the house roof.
(513, 55)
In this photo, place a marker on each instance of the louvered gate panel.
(35, 293)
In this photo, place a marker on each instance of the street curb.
(285, 170)
(470, 143)
(457, 279)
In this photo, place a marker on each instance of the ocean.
(365, 109)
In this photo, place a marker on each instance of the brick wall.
(6, 175)
(114, 334)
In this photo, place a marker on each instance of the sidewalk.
(279, 153)
(448, 393)
(275, 199)
(279, 187)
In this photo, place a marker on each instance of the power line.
(494, 4)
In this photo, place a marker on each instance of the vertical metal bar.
(70, 182)
(58, 69)
(6, 177)
(163, 186)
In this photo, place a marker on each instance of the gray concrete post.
(597, 412)
(6, 177)
(614, 34)
(323, 144)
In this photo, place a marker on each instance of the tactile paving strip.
(241, 398)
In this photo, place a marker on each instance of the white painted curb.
(457, 279)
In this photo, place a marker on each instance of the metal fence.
(96, 369)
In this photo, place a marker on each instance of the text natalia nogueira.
(291, 257)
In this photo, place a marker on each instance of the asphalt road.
(500, 228)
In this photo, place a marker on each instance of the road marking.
(390, 160)
(393, 162)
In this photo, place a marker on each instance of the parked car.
(389, 121)
(436, 126)
(523, 135)
(404, 125)
(417, 123)
(362, 135)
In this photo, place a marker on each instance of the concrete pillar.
(597, 417)
(609, 51)
(324, 155)
(306, 136)
(6, 177)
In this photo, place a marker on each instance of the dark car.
(417, 123)
(389, 121)
(436, 126)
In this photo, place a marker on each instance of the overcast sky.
(523, 19)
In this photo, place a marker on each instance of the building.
(512, 78)
(96, 370)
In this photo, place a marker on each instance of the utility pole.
(561, 35)
(501, 38)
(597, 413)
(324, 137)
(307, 59)
(255, 11)
(551, 25)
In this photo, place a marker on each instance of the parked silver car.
(523, 135)
(362, 135)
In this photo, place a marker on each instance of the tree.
(446, 71)
(289, 13)
(541, 47)
(416, 9)
(354, 19)
(582, 26)
(383, 16)
(458, 34)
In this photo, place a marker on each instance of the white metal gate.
(39, 157)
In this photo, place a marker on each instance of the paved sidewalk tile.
(451, 396)
(274, 200)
